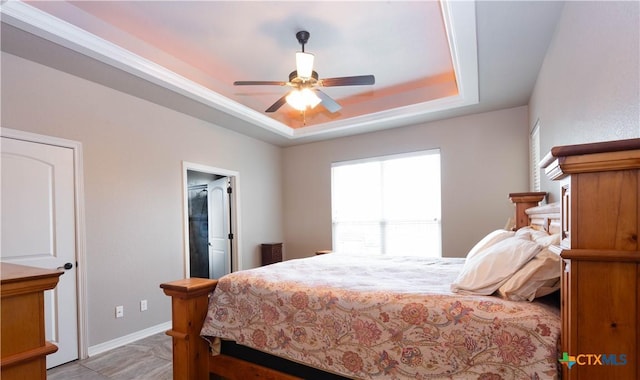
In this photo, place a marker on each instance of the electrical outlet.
(143, 305)
(119, 311)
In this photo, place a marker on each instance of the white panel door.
(219, 257)
(38, 229)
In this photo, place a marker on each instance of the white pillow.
(488, 241)
(524, 233)
(484, 272)
(545, 240)
(539, 236)
(537, 278)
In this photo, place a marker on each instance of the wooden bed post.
(189, 304)
(522, 202)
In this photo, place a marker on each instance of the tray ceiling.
(424, 54)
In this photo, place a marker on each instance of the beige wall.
(133, 153)
(588, 87)
(483, 158)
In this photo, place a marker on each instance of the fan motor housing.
(302, 37)
(294, 78)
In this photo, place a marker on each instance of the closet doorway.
(209, 221)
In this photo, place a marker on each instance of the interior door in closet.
(219, 252)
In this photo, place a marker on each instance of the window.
(534, 157)
(388, 205)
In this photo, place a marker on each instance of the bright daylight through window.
(388, 205)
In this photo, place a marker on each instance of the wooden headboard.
(546, 217)
(528, 213)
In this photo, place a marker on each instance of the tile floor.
(145, 359)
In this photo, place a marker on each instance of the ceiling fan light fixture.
(304, 64)
(303, 99)
(305, 81)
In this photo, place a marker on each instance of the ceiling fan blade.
(279, 103)
(349, 81)
(259, 83)
(327, 102)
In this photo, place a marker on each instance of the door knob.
(66, 266)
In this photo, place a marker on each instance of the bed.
(354, 318)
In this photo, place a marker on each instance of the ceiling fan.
(305, 83)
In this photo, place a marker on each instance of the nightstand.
(271, 253)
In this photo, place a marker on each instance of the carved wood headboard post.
(524, 201)
(189, 305)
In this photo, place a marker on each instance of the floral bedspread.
(383, 318)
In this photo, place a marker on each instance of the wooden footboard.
(189, 303)
(191, 358)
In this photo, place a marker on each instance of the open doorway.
(209, 221)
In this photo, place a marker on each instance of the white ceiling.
(431, 59)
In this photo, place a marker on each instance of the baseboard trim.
(119, 342)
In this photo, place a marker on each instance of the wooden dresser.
(600, 292)
(23, 348)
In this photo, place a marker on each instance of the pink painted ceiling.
(213, 43)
